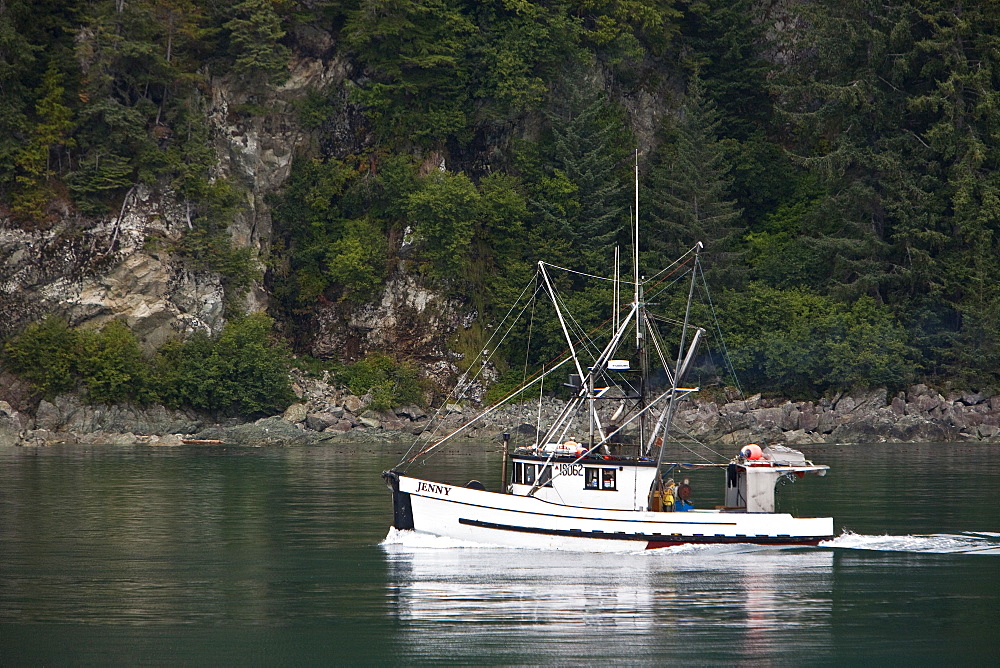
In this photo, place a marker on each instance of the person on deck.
(684, 495)
(668, 495)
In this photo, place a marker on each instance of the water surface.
(221, 555)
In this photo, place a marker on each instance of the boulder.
(396, 424)
(9, 436)
(320, 421)
(826, 422)
(166, 440)
(988, 431)
(296, 413)
(370, 422)
(353, 404)
(846, 405)
(973, 398)
(47, 416)
(790, 417)
(411, 412)
(926, 403)
(268, 431)
(808, 418)
(341, 426)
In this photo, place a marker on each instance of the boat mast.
(640, 320)
(681, 362)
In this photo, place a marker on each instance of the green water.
(273, 556)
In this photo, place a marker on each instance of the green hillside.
(837, 157)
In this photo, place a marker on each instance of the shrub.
(55, 358)
(389, 382)
(111, 365)
(44, 354)
(244, 371)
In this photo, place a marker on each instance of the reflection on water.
(553, 606)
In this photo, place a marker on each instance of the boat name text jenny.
(433, 489)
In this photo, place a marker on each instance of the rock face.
(67, 414)
(407, 319)
(91, 272)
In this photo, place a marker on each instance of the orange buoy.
(751, 452)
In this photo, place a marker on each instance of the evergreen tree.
(417, 54)
(581, 197)
(721, 42)
(255, 31)
(626, 31)
(689, 190)
(50, 132)
(957, 55)
(17, 61)
(845, 106)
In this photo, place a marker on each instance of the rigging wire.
(667, 277)
(463, 383)
(527, 351)
(580, 273)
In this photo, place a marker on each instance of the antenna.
(635, 248)
(616, 302)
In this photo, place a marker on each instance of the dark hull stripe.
(653, 540)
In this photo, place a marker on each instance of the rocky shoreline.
(330, 414)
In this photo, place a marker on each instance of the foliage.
(579, 193)
(689, 190)
(34, 160)
(111, 365)
(328, 219)
(417, 50)
(244, 371)
(443, 211)
(44, 354)
(254, 33)
(795, 340)
(838, 152)
(391, 383)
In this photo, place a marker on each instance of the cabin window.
(595, 478)
(529, 474)
(518, 475)
(545, 476)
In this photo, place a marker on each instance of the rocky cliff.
(122, 266)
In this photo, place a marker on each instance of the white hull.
(526, 522)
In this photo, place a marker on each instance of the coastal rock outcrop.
(327, 412)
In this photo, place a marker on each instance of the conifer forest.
(837, 158)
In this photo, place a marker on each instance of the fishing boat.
(598, 475)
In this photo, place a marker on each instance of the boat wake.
(969, 542)
(397, 539)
